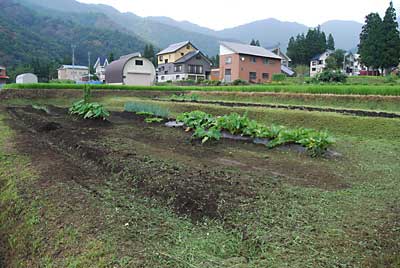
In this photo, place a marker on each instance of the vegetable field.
(125, 190)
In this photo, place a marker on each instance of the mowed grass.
(287, 226)
(375, 103)
(347, 89)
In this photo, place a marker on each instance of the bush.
(278, 77)
(240, 82)
(58, 81)
(331, 77)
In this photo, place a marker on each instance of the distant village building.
(100, 68)
(182, 61)
(214, 75)
(3, 75)
(285, 63)
(318, 63)
(132, 69)
(250, 63)
(27, 78)
(72, 72)
(353, 65)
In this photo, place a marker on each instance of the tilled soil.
(158, 162)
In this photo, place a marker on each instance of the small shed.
(132, 70)
(27, 78)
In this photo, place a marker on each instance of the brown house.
(250, 63)
(3, 75)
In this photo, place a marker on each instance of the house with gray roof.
(246, 62)
(182, 61)
(318, 63)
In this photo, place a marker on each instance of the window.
(161, 58)
(265, 76)
(198, 57)
(177, 77)
(313, 63)
(139, 62)
(188, 47)
(242, 58)
(228, 60)
(253, 76)
(178, 68)
(182, 54)
(314, 69)
(195, 69)
(321, 62)
(162, 78)
(253, 59)
(166, 61)
(266, 61)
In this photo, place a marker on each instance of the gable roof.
(174, 47)
(287, 70)
(278, 51)
(250, 50)
(317, 57)
(102, 61)
(191, 55)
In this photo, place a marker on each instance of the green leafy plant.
(153, 120)
(145, 113)
(278, 77)
(89, 110)
(233, 123)
(196, 119)
(40, 108)
(317, 142)
(212, 133)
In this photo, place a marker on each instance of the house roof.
(74, 67)
(317, 57)
(191, 55)
(2, 67)
(114, 70)
(250, 50)
(174, 47)
(101, 61)
(279, 52)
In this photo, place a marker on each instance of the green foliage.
(196, 119)
(330, 44)
(60, 81)
(353, 88)
(206, 127)
(391, 41)
(212, 133)
(183, 97)
(331, 77)
(302, 48)
(239, 82)
(41, 108)
(278, 77)
(146, 109)
(91, 110)
(153, 120)
(335, 60)
(50, 38)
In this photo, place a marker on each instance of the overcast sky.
(219, 14)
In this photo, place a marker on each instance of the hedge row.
(392, 90)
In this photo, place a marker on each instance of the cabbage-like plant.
(89, 110)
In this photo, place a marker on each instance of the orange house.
(3, 75)
(250, 63)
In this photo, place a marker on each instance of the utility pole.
(89, 64)
(73, 62)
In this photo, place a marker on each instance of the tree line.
(304, 47)
(379, 46)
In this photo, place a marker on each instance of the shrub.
(196, 119)
(240, 82)
(146, 109)
(205, 135)
(278, 77)
(328, 76)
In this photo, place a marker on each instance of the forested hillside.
(26, 35)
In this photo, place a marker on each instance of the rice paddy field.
(127, 193)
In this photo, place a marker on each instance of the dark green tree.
(391, 41)
(111, 57)
(253, 42)
(335, 60)
(302, 48)
(371, 42)
(258, 43)
(331, 42)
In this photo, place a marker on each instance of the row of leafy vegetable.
(207, 127)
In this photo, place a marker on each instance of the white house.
(27, 78)
(318, 63)
(132, 69)
(100, 68)
(72, 72)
